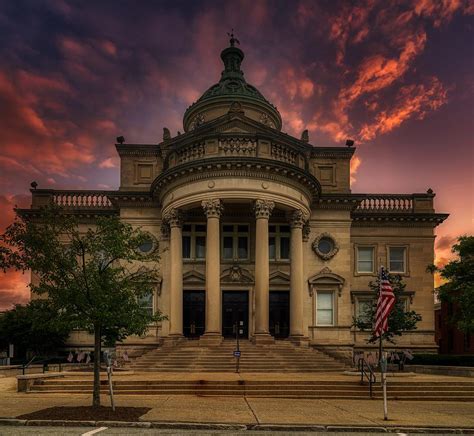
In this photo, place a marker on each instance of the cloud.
(14, 289)
(413, 101)
(445, 242)
(354, 167)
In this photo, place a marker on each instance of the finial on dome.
(233, 40)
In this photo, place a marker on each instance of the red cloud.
(412, 101)
(14, 289)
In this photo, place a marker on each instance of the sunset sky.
(396, 76)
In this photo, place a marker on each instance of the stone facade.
(258, 230)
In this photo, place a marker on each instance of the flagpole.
(383, 361)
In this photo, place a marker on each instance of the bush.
(442, 360)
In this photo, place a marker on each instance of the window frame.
(278, 235)
(235, 234)
(405, 258)
(373, 247)
(193, 234)
(333, 308)
(152, 307)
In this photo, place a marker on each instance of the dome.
(232, 87)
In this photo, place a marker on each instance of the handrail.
(368, 373)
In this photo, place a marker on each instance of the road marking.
(89, 433)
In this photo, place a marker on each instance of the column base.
(299, 340)
(211, 339)
(263, 339)
(172, 340)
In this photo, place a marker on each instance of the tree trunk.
(97, 351)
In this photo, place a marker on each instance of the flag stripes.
(385, 304)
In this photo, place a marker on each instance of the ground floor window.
(146, 302)
(325, 308)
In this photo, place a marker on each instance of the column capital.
(297, 218)
(213, 207)
(263, 208)
(174, 218)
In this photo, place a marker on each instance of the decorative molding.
(174, 218)
(236, 274)
(315, 246)
(297, 218)
(197, 121)
(194, 277)
(279, 278)
(213, 208)
(306, 231)
(326, 278)
(263, 208)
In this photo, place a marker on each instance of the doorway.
(279, 314)
(194, 313)
(235, 311)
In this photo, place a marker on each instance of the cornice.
(267, 169)
(79, 212)
(138, 149)
(332, 152)
(133, 198)
(361, 219)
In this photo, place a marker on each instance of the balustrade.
(284, 153)
(81, 199)
(386, 203)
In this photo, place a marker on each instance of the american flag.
(385, 304)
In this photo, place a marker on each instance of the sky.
(396, 76)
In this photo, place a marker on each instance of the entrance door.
(235, 309)
(279, 314)
(194, 313)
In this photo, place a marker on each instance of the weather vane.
(232, 39)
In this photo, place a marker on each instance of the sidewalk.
(256, 411)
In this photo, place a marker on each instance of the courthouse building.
(258, 229)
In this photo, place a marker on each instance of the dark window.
(186, 247)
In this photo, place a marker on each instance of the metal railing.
(367, 372)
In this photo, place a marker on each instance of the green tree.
(458, 289)
(94, 277)
(400, 320)
(34, 328)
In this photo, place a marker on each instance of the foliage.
(93, 277)
(399, 320)
(459, 287)
(34, 328)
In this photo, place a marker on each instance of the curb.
(242, 427)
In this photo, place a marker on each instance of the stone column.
(213, 336)
(297, 220)
(263, 209)
(175, 220)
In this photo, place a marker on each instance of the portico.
(255, 291)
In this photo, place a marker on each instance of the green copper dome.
(231, 87)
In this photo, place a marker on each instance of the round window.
(326, 245)
(146, 246)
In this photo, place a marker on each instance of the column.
(297, 220)
(175, 221)
(263, 210)
(213, 209)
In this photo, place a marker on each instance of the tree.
(34, 328)
(93, 277)
(458, 289)
(400, 320)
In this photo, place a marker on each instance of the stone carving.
(306, 231)
(166, 134)
(305, 136)
(265, 119)
(197, 121)
(297, 218)
(213, 208)
(238, 146)
(283, 153)
(236, 107)
(325, 246)
(174, 218)
(263, 208)
(195, 151)
(165, 230)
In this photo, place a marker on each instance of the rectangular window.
(279, 242)
(235, 241)
(365, 259)
(397, 257)
(194, 241)
(364, 306)
(325, 308)
(146, 302)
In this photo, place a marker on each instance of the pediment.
(326, 279)
(236, 274)
(279, 278)
(194, 277)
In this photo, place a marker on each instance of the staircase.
(282, 356)
(349, 389)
